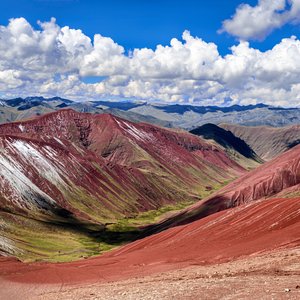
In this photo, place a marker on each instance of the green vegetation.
(146, 218)
(291, 194)
(42, 241)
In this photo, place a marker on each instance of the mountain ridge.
(173, 115)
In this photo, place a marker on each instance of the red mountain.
(244, 218)
(69, 167)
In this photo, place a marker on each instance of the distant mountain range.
(26, 108)
(179, 116)
(189, 117)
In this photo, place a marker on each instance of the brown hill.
(267, 142)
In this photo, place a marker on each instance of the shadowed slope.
(234, 146)
(224, 138)
(267, 142)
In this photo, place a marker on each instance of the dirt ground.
(273, 275)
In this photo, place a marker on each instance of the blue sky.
(213, 52)
(140, 23)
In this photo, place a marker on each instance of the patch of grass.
(146, 218)
(50, 242)
(152, 216)
(294, 194)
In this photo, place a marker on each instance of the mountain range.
(173, 115)
(258, 212)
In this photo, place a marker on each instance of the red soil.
(276, 178)
(248, 229)
(126, 167)
(222, 236)
(124, 142)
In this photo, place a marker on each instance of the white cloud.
(256, 22)
(106, 58)
(55, 61)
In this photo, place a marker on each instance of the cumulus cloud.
(256, 22)
(56, 60)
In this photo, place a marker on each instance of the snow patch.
(21, 127)
(39, 161)
(16, 163)
(135, 132)
(17, 186)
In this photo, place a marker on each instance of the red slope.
(125, 166)
(271, 179)
(71, 175)
(248, 229)
(124, 142)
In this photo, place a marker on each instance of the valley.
(94, 199)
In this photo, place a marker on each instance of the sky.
(200, 52)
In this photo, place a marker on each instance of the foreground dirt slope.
(249, 229)
(274, 275)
